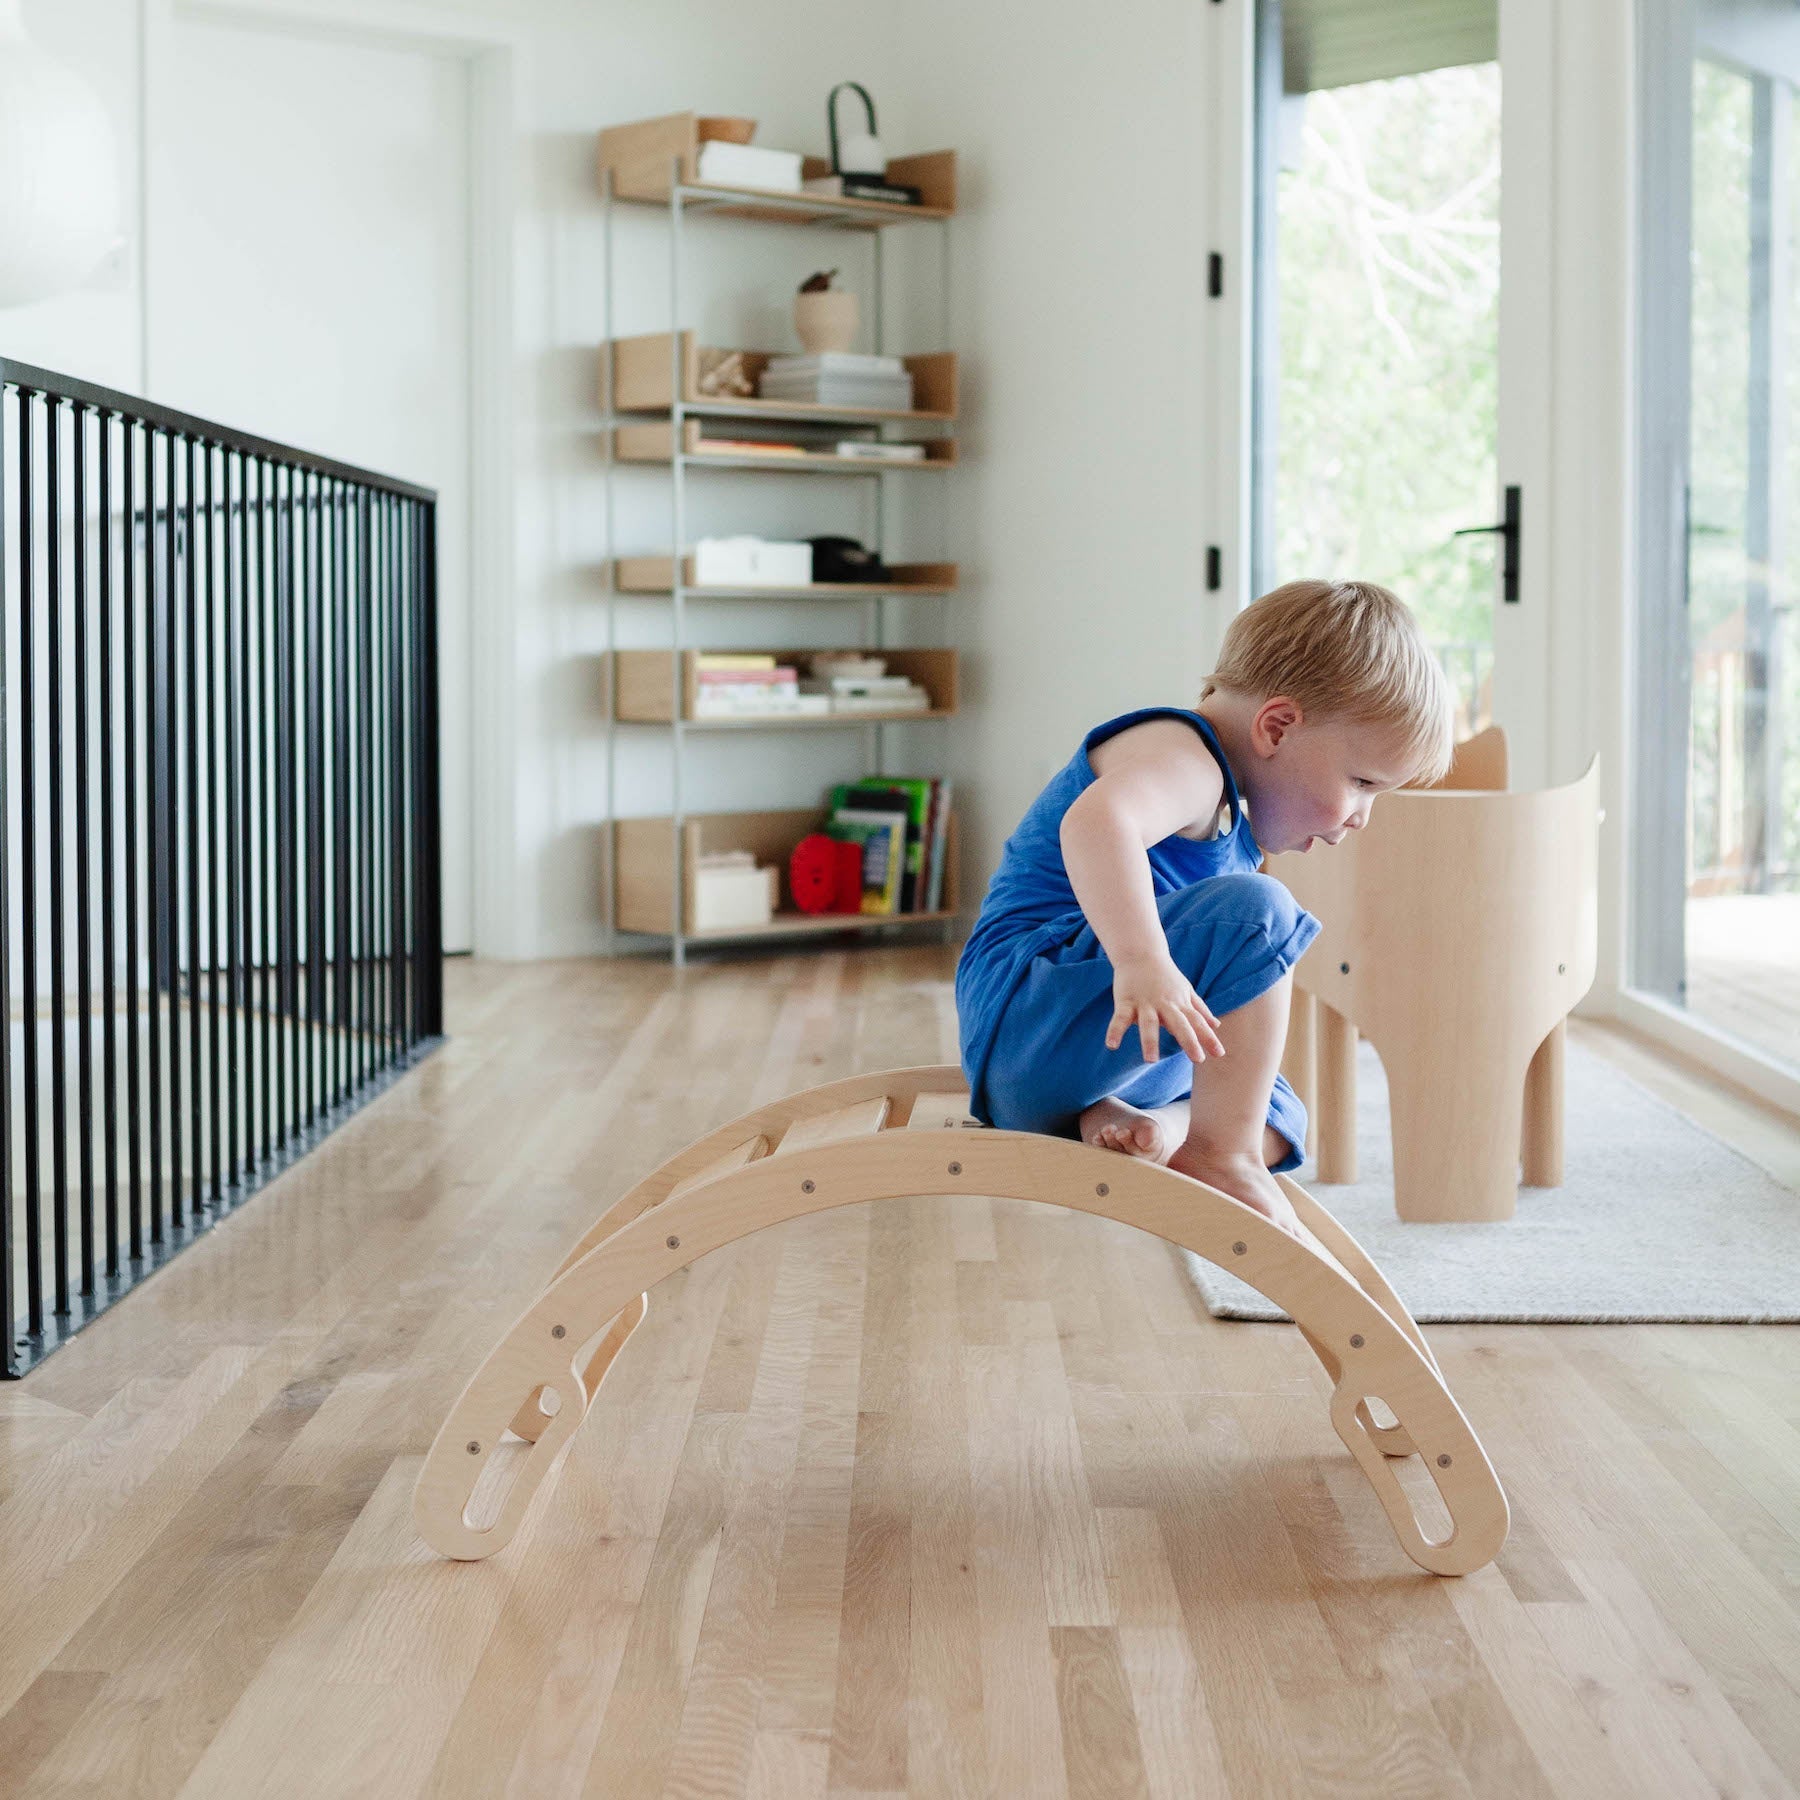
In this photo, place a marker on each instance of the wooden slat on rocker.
(832, 1150)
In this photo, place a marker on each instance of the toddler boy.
(1128, 899)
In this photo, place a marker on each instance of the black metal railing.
(219, 833)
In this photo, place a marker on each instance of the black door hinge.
(1215, 275)
(1214, 576)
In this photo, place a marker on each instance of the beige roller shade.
(1331, 43)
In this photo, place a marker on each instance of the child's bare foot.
(1112, 1124)
(1244, 1178)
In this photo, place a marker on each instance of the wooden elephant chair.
(908, 1132)
(1459, 930)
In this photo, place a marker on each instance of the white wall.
(1081, 510)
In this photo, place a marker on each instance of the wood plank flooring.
(923, 1498)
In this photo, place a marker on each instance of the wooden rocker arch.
(908, 1132)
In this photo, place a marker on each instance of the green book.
(882, 792)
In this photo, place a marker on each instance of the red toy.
(825, 874)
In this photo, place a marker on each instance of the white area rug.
(1656, 1220)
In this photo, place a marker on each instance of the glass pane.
(1742, 913)
(1388, 260)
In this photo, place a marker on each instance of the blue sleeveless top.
(1030, 905)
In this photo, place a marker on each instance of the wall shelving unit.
(655, 411)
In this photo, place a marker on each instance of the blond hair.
(1347, 650)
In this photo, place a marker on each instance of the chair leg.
(1542, 1146)
(1337, 1095)
(1300, 1063)
(1455, 1131)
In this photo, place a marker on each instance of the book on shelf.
(889, 393)
(726, 446)
(833, 362)
(861, 449)
(760, 677)
(762, 706)
(939, 843)
(881, 832)
(910, 797)
(864, 187)
(914, 699)
(733, 659)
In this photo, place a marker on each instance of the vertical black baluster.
(109, 1087)
(265, 923)
(196, 894)
(228, 819)
(365, 796)
(245, 836)
(133, 1023)
(172, 807)
(340, 790)
(53, 675)
(328, 861)
(397, 782)
(413, 766)
(431, 974)
(305, 773)
(317, 769)
(209, 536)
(84, 997)
(156, 879)
(378, 689)
(292, 1039)
(8, 1250)
(28, 963)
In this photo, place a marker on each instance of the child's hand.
(1151, 992)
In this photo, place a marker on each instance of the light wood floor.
(923, 1498)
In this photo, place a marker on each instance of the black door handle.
(1508, 528)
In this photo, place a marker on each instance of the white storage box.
(725, 899)
(751, 562)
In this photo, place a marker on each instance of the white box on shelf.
(748, 165)
(751, 562)
(725, 899)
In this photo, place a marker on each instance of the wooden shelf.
(650, 444)
(642, 680)
(643, 878)
(641, 371)
(647, 157)
(655, 575)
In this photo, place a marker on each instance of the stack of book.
(750, 685)
(839, 378)
(902, 823)
(869, 693)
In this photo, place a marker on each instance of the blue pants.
(1233, 936)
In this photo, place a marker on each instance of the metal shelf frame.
(702, 202)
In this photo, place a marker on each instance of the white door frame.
(495, 63)
(1567, 436)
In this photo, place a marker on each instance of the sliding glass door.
(1402, 363)
(1716, 869)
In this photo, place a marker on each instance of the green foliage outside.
(1388, 256)
(1389, 283)
(1719, 566)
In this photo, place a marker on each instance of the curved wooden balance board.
(908, 1132)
